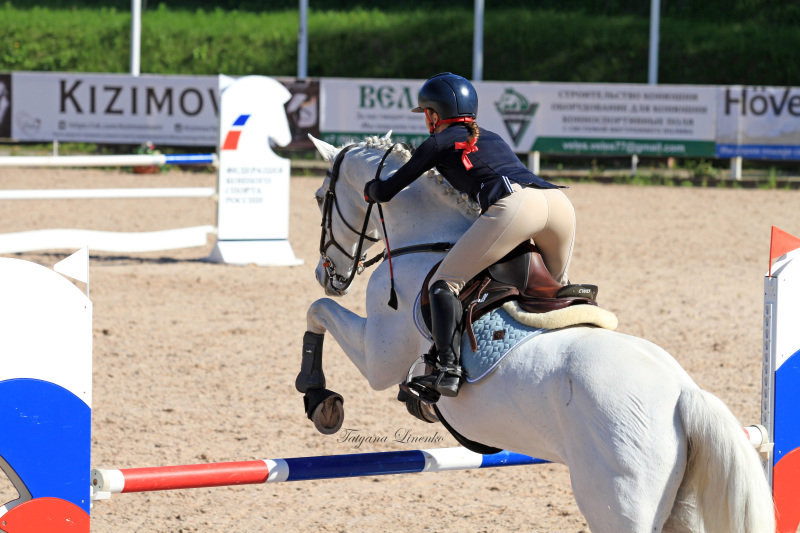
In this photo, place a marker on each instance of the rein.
(413, 249)
(327, 239)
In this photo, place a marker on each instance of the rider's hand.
(371, 190)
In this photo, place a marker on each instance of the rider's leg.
(446, 315)
(556, 238)
(510, 221)
(499, 230)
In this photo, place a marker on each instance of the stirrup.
(422, 393)
(445, 380)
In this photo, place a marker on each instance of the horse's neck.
(426, 211)
(422, 213)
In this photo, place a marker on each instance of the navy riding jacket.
(494, 167)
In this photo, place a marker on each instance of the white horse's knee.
(313, 316)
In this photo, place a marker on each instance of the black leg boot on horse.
(446, 313)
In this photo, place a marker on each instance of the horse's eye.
(318, 199)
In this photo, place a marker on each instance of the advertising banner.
(548, 117)
(555, 118)
(607, 119)
(758, 122)
(115, 108)
(352, 109)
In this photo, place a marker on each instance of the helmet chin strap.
(432, 125)
(466, 147)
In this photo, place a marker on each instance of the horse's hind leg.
(625, 492)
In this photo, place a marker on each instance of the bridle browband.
(359, 262)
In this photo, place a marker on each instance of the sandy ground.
(195, 362)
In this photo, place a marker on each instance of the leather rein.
(340, 283)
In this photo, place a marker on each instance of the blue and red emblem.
(232, 137)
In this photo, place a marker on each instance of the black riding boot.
(446, 315)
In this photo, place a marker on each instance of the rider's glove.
(371, 190)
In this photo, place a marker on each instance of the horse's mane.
(403, 153)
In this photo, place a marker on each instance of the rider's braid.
(474, 132)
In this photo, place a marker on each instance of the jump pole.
(107, 160)
(115, 481)
(108, 241)
(112, 481)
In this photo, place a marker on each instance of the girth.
(522, 276)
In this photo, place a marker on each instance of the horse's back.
(581, 382)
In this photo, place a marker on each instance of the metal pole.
(655, 17)
(302, 41)
(477, 43)
(136, 35)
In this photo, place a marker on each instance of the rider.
(516, 205)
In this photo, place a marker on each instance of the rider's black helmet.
(450, 95)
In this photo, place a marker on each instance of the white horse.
(647, 449)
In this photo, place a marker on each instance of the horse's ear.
(388, 136)
(327, 151)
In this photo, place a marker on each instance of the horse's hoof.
(329, 415)
(326, 409)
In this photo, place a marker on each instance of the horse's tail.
(724, 488)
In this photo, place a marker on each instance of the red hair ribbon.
(468, 147)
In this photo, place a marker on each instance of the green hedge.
(753, 42)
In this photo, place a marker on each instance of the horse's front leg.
(324, 407)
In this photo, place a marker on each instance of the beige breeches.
(544, 215)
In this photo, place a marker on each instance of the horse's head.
(429, 210)
(347, 232)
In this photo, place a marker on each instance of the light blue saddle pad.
(497, 334)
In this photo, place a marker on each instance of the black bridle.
(327, 239)
(341, 283)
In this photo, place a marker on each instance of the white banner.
(606, 118)
(353, 108)
(758, 122)
(550, 117)
(115, 108)
(561, 118)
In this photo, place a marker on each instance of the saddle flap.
(520, 275)
(514, 268)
